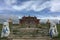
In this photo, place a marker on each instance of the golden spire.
(48, 21)
(9, 20)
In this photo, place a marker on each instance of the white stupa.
(54, 31)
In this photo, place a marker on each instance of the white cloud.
(23, 6)
(10, 2)
(53, 18)
(7, 5)
(40, 7)
(55, 5)
(34, 5)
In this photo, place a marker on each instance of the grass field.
(44, 25)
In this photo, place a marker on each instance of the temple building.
(29, 21)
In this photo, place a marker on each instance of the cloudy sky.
(39, 8)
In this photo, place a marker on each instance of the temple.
(29, 21)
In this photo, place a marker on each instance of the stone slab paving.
(33, 38)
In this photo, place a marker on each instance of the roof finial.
(29, 15)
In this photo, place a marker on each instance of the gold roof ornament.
(48, 21)
(9, 20)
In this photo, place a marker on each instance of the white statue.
(53, 30)
(5, 30)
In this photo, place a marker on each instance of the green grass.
(58, 28)
(0, 28)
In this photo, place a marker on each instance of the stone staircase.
(42, 34)
(26, 37)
